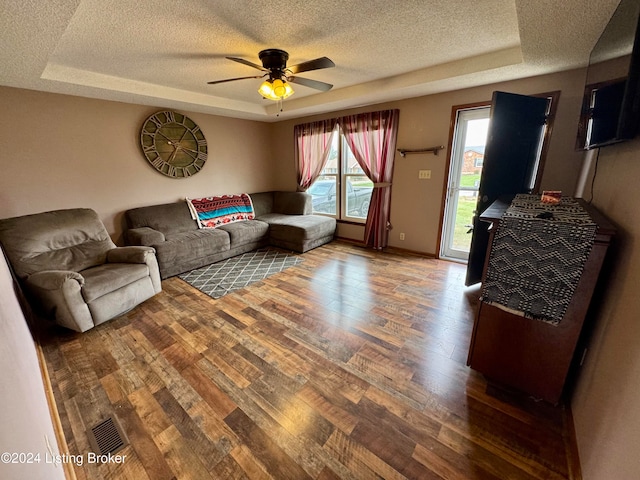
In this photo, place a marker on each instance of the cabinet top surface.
(495, 211)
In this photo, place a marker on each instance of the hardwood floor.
(350, 365)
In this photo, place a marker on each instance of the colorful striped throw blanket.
(211, 212)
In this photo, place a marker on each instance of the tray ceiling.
(163, 53)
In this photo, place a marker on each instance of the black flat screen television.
(611, 102)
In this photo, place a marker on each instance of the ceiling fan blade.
(307, 82)
(232, 79)
(247, 62)
(316, 64)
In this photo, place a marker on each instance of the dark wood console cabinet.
(529, 355)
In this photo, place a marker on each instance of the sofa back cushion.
(168, 218)
(262, 203)
(292, 203)
(73, 239)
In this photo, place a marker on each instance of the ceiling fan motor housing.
(274, 59)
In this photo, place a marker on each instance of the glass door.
(467, 158)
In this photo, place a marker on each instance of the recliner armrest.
(144, 236)
(53, 279)
(59, 295)
(132, 254)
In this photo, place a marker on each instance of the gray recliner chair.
(73, 272)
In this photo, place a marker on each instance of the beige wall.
(59, 151)
(25, 420)
(424, 122)
(607, 398)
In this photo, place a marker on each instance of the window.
(342, 190)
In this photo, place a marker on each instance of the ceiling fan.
(274, 64)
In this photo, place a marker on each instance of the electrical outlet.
(402, 236)
(424, 174)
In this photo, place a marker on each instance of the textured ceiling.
(163, 52)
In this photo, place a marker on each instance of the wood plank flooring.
(350, 365)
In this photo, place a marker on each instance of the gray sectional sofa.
(282, 219)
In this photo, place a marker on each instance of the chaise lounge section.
(281, 219)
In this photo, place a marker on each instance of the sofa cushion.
(262, 203)
(241, 233)
(198, 243)
(298, 228)
(292, 203)
(168, 218)
(99, 281)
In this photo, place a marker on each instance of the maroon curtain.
(372, 139)
(312, 146)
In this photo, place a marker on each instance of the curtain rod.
(434, 150)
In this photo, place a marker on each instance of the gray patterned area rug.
(218, 279)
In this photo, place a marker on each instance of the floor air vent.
(107, 437)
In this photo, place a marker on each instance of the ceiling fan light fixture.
(276, 89)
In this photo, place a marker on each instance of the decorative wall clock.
(173, 144)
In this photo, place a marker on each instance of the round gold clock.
(173, 144)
